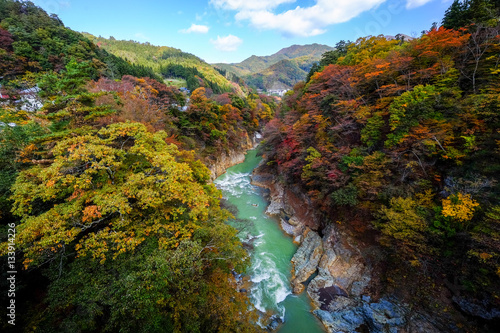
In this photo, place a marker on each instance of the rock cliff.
(226, 160)
(340, 269)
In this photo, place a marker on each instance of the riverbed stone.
(276, 205)
(379, 317)
(340, 265)
(383, 314)
(294, 221)
(293, 230)
(275, 322)
(306, 259)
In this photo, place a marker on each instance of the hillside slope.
(282, 75)
(170, 63)
(32, 41)
(397, 144)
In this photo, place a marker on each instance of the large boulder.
(341, 265)
(306, 259)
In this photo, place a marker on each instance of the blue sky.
(233, 30)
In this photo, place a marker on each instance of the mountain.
(282, 75)
(178, 68)
(284, 68)
(400, 37)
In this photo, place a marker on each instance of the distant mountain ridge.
(283, 68)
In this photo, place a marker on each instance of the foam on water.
(259, 278)
(270, 286)
(234, 183)
(271, 249)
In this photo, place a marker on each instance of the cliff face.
(344, 290)
(228, 159)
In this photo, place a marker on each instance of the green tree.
(70, 105)
(455, 15)
(404, 221)
(187, 289)
(13, 139)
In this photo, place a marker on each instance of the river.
(272, 250)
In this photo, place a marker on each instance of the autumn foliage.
(398, 140)
(117, 221)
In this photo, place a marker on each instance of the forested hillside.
(399, 143)
(284, 68)
(30, 40)
(283, 74)
(117, 227)
(170, 63)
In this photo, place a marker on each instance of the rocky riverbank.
(221, 163)
(341, 270)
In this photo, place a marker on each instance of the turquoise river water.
(271, 254)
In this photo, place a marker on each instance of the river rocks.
(341, 265)
(288, 228)
(306, 260)
(339, 291)
(262, 180)
(288, 204)
(331, 295)
(293, 227)
(276, 205)
(293, 221)
(276, 321)
(383, 316)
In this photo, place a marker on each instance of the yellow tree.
(105, 193)
(460, 207)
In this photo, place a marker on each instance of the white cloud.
(195, 28)
(227, 44)
(307, 21)
(140, 36)
(199, 17)
(410, 4)
(249, 5)
(53, 7)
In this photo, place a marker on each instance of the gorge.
(271, 251)
(297, 269)
(140, 201)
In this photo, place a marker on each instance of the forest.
(118, 226)
(398, 142)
